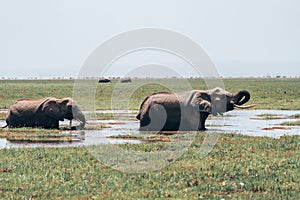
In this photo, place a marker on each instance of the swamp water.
(247, 122)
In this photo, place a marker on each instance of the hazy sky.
(54, 37)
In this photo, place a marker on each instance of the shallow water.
(246, 122)
(249, 122)
(87, 137)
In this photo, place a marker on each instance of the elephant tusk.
(244, 107)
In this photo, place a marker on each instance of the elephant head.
(61, 109)
(222, 101)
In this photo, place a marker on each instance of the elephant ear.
(205, 106)
(63, 103)
(203, 100)
(52, 109)
(143, 108)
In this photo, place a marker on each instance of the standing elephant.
(126, 80)
(43, 113)
(104, 80)
(164, 111)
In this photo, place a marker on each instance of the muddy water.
(247, 122)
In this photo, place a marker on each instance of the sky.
(53, 38)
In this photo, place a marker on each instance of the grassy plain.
(276, 93)
(239, 167)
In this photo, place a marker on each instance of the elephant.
(43, 113)
(187, 111)
(126, 80)
(104, 80)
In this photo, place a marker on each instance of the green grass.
(265, 93)
(2, 116)
(11, 90)
(267, 116)
(238, 167)
(40, 138)
(296, 116)
(269, 93)
(108, 116)
(147, 137)
(34, 135)
(292, 123)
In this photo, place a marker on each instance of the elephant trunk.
(241, 97)
(78, 115)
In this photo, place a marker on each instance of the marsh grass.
(145, 137)
(49, 138)
(109, 116)
(238, 167)
(2, 116)
(44, 135)
(267, 116)
(291, 123)
(273, 93)
(280, 94)
(96, 126)
(11, 90)
(296, 116)
(35, 135)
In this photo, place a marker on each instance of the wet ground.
(247, 122)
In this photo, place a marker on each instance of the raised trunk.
(241, 97)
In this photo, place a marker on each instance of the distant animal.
(44, 113)
(164, 111)
(104, 80)
(126, 80)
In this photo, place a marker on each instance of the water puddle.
(247, 122)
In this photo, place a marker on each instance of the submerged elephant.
(164, 111)
(43, 113)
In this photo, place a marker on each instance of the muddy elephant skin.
(43, 113)
(187, 111)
